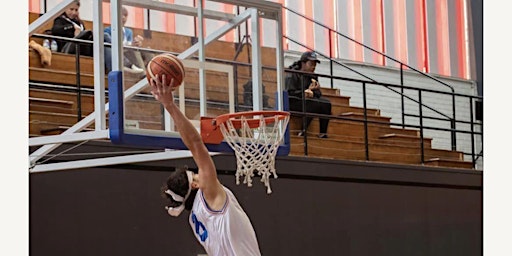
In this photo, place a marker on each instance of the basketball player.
(218, 221)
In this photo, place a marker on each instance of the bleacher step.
(449, 163)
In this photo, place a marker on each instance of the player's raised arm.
(208, 182)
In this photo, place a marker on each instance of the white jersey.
(227, 232)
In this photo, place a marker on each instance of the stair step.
(443, 154)
(449, 163)
(340, 109)
(50, 105)
(402, 139)
(355, 150)
(87, 100)
(59, 129)
(351, 150)
(338, 99)
(330, 91)
(360, 116)
(339, 127)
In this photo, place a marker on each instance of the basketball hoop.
(255, 137)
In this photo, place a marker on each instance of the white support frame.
(255, 9)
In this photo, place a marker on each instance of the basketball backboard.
(214, 84)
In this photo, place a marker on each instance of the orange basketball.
(167, 64)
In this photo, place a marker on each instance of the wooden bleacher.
(53, 111)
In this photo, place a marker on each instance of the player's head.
(181, 189)
(72, 10)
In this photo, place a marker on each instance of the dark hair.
(178, 183)
(77, 2)
(296, 65)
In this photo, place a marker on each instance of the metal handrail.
(453, 136)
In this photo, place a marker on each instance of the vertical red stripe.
(284, 21)
(377, 31)
(399, 22)
(308, 32)
(229, 36)
(355, 28)
(418, 25)
(106, 13)
(169, 20)
(196, 19)
(34, 6)
(423, 11)
(262, 31)
(358, 29)
(138, 14)
(350, 29)
(205, 29)
(443, 52)
(334, 36)
(383, 33)
(328, 20)
(461, 39)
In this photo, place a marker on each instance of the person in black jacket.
(68, 24)
(300, 85)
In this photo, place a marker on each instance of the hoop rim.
(252, 122)
(211, 126)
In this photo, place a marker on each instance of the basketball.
(168, 65)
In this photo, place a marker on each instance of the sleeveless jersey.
(227, 232)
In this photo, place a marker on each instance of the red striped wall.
(138, 17)
(355, 29)
(461, 42)
(229, 36)
(34, 6)
(441, 48)
(421, 37)
(308, 25)
(377, 18)
(169, 20)
(399, 23)
(285, 17)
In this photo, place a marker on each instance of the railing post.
(330, 58)
(421, 127)
(235, 74)
(304, 128)
(473, 158)
(78, 86)
(366, 144)
(304, 116)
(402, 94)
(453, 124)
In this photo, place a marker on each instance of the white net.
(255, 148)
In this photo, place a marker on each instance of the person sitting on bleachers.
(134, 61)
(68, 24)
(299, 84)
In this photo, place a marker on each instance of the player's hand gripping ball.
(168, 65)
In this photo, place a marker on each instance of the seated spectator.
(133, 60)
(68, 24)
(300, 85)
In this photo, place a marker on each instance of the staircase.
(385, 143)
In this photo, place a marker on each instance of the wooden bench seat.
(50, 105)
